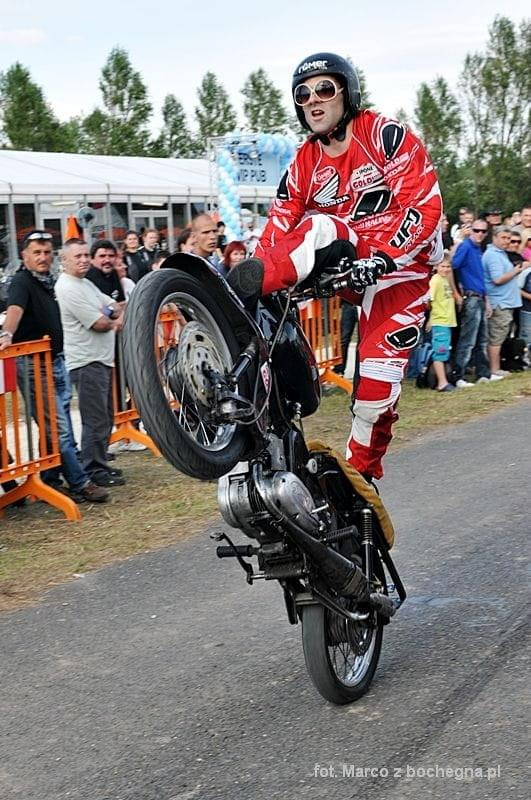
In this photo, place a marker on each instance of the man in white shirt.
(90, 320)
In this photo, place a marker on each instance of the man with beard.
(103, 255)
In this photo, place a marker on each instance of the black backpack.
(425, 358)
(512, 354)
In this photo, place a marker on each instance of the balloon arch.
(227, 151)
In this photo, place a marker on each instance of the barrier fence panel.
(321, 323)
(27, 396)
(125, 413)
(26, 371)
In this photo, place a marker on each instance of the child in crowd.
(442, 320)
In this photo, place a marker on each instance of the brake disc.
(196, 357)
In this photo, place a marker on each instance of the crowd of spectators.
(480, 300)
(487, 290)
(81, 307)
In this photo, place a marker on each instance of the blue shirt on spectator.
(467, 259)
(495, 264)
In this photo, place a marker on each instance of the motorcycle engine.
(242, 505)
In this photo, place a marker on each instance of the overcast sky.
(172, 43)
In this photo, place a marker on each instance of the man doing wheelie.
(368, 182)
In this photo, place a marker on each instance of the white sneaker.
(462, 384)
(496, 377)
(131, 447)
(501, 373)
(483, 380)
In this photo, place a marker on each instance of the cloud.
(23, 36)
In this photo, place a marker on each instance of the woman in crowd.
(234, 253)
(184, 241)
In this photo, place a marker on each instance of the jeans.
(72, 470)
(472, 342)
(525, 329)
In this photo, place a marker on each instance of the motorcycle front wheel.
(174, 335)
(341, 655)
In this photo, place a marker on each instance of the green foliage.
(366, 101)
(263, 107)
(496, 86)
(175, 140)
(438, 122)
(27, 121)
(215, 115)
(122, 129)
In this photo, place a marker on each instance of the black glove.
(366, 271)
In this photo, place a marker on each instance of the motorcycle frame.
(246, 327)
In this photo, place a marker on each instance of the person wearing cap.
(33, 312)
(493, 218)
(361, 196)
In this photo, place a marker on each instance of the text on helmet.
(320, 64)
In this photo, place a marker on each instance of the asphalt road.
(167, 678)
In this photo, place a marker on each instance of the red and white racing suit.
(382, 194)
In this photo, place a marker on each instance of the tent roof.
(29, 173)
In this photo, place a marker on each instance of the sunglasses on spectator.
(516, 241)
(479, 230)
(324, 91)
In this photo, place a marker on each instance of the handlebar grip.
(246, 550)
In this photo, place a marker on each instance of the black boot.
(246, 278)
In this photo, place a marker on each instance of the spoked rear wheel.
(174, 338)
(341, 655)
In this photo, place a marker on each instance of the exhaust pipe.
(340, 574)
(382, 604)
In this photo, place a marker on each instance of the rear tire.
(338, 675)
(218, 450)
(341, 656)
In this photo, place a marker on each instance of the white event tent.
(43, 189)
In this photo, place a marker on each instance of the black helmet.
(329, 64)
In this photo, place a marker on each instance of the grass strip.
(158, 506)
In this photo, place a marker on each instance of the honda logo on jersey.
(327, 194)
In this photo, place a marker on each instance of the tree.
(27, 121)
(366, 101)
(123, 127)
(175, 140)
(437, 118)
(215, 115)
(263, 106)
(496, 86)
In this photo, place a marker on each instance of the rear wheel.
(174, 336)
(341, 655)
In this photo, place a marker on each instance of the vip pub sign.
(257, 169)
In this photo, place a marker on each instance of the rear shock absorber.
(366, 539)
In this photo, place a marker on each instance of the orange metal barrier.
(321, 322)
(18, 459)
(125, 413)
